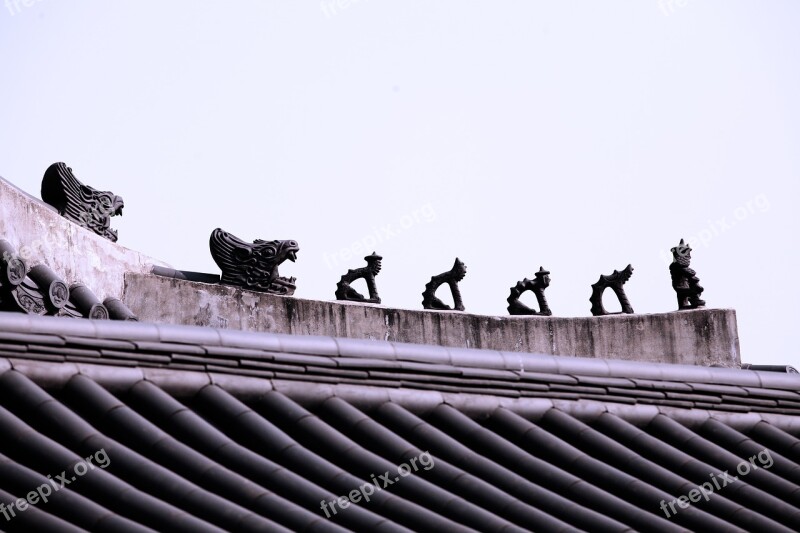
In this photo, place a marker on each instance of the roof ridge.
(151, 335)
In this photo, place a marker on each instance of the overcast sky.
(581, 136)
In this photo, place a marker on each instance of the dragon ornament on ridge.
(80, 203)
(253, 266)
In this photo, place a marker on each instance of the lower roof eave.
(185, 383)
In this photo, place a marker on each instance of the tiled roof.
(40, 291)
(215, 429)
(400, 365)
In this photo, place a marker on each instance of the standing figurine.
(684, 279)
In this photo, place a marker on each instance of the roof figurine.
(537, 286)
(344, 291)
(615, 280)
(253, 266)
(451, 277)
(80, 203)
(684, 279)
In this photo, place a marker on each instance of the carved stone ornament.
(16, 291)
(537, 286)
(451, 277)
(616, 280)
(14, 269)
(80, 203)
(684, 279)
(344, 290)
(253, 266)
(26, 298)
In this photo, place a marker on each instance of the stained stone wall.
(699, 337)
(41, 235)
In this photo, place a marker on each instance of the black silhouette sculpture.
(80, 203)
(344, 291)
(451, 277)
(253, 266)
(537, 286)
(616, 280)
(684, 279)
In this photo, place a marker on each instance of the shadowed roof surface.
(211, 429)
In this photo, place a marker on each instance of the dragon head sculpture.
(253, 266)
(80, 203)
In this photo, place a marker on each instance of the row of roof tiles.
(210, 461)
(396, 365)
(40, 291)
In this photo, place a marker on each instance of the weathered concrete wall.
(41, 235)
(700, 337)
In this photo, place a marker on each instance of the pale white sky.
(581, 136)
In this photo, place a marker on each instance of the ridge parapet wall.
(699, 337)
